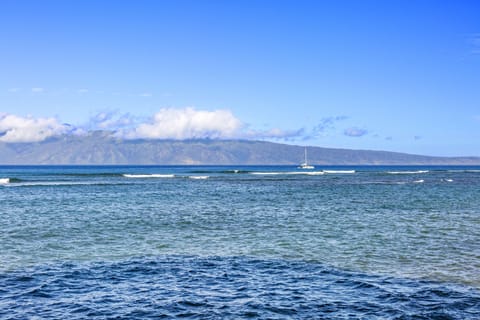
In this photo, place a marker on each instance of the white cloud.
(188, 123)
(355, 132)
(328, 123)
(275, 134)
(111, 120)
(38, 90)
(82, 91)
(145, 94)
(168, 123)
(14, 90)
(324, 125)
(28, 129)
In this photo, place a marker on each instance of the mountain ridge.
(100, 148)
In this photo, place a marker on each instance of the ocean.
(239, 242)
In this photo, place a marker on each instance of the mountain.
(100, 148)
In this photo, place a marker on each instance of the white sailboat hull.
(305, 165)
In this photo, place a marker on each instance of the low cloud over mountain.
(168, 123)
(28, 129)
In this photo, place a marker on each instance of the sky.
(399, 76)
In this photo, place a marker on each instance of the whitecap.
(307, 173)
(408, 172)
(141, 176)
(4, 181)
(55, 183)
(267, 173)
(199, 177)
(419, 181)
(314, 173)
(339, 171)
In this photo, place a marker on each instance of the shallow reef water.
(261, 242)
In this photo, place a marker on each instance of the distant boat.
(305, 164)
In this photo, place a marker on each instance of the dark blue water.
(239, 242)
(225, 288)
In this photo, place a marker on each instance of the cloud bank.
(28, 129)
(274, 134)
(111, 120)
(168, 123)
(188, 123)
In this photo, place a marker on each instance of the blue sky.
(384, 75)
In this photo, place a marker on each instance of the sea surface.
(209, 242)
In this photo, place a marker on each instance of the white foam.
(465, 171)
(267, 173)
(199, 177)
(408, 172)
(314, 173)
(448, 180)
(4, 181)
(143, 176)
(307, 173)
(339, 171)
(54, 183)
(419, 181)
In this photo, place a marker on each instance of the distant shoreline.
(98, 149)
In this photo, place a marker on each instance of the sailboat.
(305, 164)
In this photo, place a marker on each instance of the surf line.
(143, 176)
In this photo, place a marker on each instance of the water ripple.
(224, 288)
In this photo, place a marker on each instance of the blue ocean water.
(207, 242)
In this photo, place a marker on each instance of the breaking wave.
(276, 173)
(339, 171)
(232, 171)
(408, 172)
(198, 177)
(144, 176)
(57, 183)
